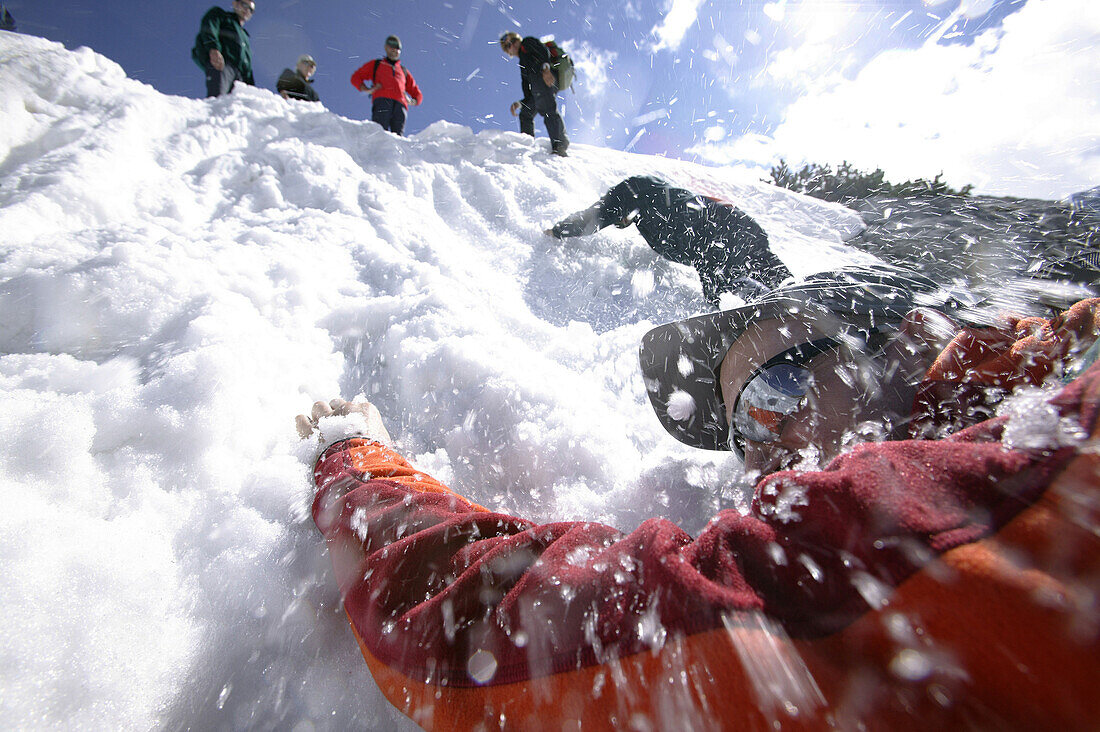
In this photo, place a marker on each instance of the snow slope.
(179, 278)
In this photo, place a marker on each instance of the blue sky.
(914, 86)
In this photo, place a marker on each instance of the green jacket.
(221, 29)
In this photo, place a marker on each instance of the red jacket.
(392, 78)
(911, 585)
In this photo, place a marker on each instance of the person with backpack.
(223, 49)
(391, 87)
(725, 245)
(540, 87)
(298, 84)
(940, 583)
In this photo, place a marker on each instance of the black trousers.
(545, 102)
(718, 279)
(221, 82)
(735, 257)
(389, 113)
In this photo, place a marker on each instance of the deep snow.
(179, 278)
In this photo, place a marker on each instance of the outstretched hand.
(340, 408)
(515, 108)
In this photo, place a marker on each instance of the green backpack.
(561, 65)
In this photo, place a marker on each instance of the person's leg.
(397, 118)
(746, 246)
(724, 275)
(711, 287)
(526, 119)
(219, 82)
(547, 105)
(382, 112)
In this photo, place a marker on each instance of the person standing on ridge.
(223, 49)
(298, 84)
(725, 246)
(390, 85)
(6, 21)
(540, 88)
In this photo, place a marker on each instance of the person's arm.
(361, 76)
(209, 30)
(411, 89)
(581, 223)
(462, 613)
(618, 206)
(538, 61)
(288, 85)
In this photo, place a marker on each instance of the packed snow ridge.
(180, 277)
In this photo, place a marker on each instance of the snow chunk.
(786, 497)
(681, 405)
(1034, 423)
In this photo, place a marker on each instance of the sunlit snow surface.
(179, 278)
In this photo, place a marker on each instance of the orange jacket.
(910, 585)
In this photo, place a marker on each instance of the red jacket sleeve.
(412, 89)
(905, 574)
(363, 73)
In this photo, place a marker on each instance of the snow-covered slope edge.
(179, 277)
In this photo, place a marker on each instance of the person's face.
(306, 70)
(392, 52)
(244, 9)
(845, 398)
(511, 47)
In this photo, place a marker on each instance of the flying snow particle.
(784, 499)
(681, 405)
(482, 667)
(642, 284)
(911, 665)
(974, 9)
(634, 140)
(1035, 423)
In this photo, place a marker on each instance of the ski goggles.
(772, 393)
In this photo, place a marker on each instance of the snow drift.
(179, 278)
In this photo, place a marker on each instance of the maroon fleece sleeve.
(431, 581)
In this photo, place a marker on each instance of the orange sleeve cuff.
(375, 460)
